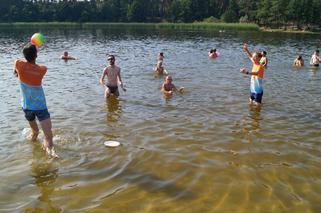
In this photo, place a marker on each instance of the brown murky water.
(204, 151)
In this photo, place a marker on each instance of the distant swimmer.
(298, 62)
(264, 60)
(34, 104)
(159, 69)
(256, 89)
(168, 88)
(160, 56)
(66, 56)
(112, 72)
(315, 59)
(213, 53)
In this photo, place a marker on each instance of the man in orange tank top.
(33, 100)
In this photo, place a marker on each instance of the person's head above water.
(30, 52)
(213, 51)
(264, 53)
(111, 59)
(168, 79)
(317, 52)
(299, 57)
(65, 53)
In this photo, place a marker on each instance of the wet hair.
(30, 52)
(317, 51)
(264, 52)
(161, 54)
(212, 50)
(299, 57)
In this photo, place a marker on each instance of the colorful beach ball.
(38, 39)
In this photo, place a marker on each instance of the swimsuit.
(112, 89)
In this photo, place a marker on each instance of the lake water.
(206, 150)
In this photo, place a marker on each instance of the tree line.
(270, 13)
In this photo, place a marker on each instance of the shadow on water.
(44, 173)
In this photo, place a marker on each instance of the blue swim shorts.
(257, 97)
(40, 114)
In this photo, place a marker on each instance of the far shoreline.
(271, 30)
(166, 25)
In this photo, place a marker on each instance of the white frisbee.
(111, 143)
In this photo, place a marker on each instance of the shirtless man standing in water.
(113, 77)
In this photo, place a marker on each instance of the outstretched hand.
(123, 88)
(245, 46)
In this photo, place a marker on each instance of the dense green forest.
(301, 14)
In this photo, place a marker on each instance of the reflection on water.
(113, 109)
(255, 116)
(206, 150)
(44, 172)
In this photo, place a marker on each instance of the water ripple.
(205, 150)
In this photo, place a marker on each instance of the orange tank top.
(259, 69)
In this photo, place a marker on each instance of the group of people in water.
(314, 61)
(34, 105)
(168, 88)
